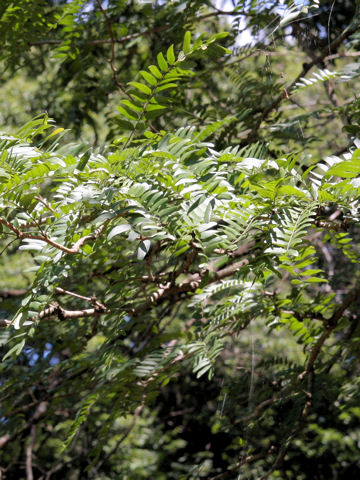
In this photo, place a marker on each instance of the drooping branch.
(39, 412)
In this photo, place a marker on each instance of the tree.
(187, 304)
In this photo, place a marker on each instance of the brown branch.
(3, 324)
(189, 258)
(149, 259)
(165, 292)
(45, 203)
(55, 309)
(97, 305)
(352, 329)
(351, 297)
(44, 238)
(257, 410)
(315, 352)
(36, 223)
(4, 439)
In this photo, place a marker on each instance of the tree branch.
(44, 238)
(167, 291)
(63, 314)
(55, 309)
(29, 453)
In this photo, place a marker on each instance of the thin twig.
(45, 203)
(113, 42)
(29, 453)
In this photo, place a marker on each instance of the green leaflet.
(187, 42)
(141, 87)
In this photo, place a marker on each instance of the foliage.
(188, 301)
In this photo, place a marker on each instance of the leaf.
(170, 55)
(143, 249)
(148, 77)
(187, 42)
(15, 350)
(218, 36)
(53, 133)
(152, 108)
(126, 113)
(131, 105)
(83, 160)
(346, 169)
(16, 320)
(290, 190)
(288, 18)
(162, 62)
(155, 71)
(141, 87)
(225, 50)
(165, 87)
(125, 227)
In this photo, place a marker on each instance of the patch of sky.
(34, 357)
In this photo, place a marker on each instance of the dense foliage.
(179, 240)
